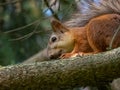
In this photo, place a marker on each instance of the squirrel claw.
(69, 55)
(66, 55)
(78, 54)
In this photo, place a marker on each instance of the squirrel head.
(61, 41)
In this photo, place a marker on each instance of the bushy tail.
(92, 10)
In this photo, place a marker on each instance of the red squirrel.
(92, 36)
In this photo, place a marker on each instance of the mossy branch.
(60, 74)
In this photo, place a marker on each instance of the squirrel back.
(87, 9)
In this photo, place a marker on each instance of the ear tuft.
(58, 26)
(55, 23)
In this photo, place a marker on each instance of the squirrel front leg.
(80, 50)
(71, 54)
(76, 54)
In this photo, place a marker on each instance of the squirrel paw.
(69, 55)
(78, 54)
(65, 55)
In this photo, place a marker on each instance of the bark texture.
(62, 74)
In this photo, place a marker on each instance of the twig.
(43, 31)
(50, 6)
(111, 43)
(10, 2)
(27, 35)
(17, 29)
(53, 13)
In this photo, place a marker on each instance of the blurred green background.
(25, 26)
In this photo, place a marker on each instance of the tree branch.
(39, 57)
(61, 74)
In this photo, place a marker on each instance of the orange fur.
(94, 37)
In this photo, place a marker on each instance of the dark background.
(25, 26)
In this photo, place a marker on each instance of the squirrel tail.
(88, 9)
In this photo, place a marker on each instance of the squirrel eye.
(53, 39)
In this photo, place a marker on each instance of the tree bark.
(62, 74)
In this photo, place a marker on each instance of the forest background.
(25, 26)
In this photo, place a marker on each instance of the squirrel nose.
(52, 56)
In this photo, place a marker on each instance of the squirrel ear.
(58, 26)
